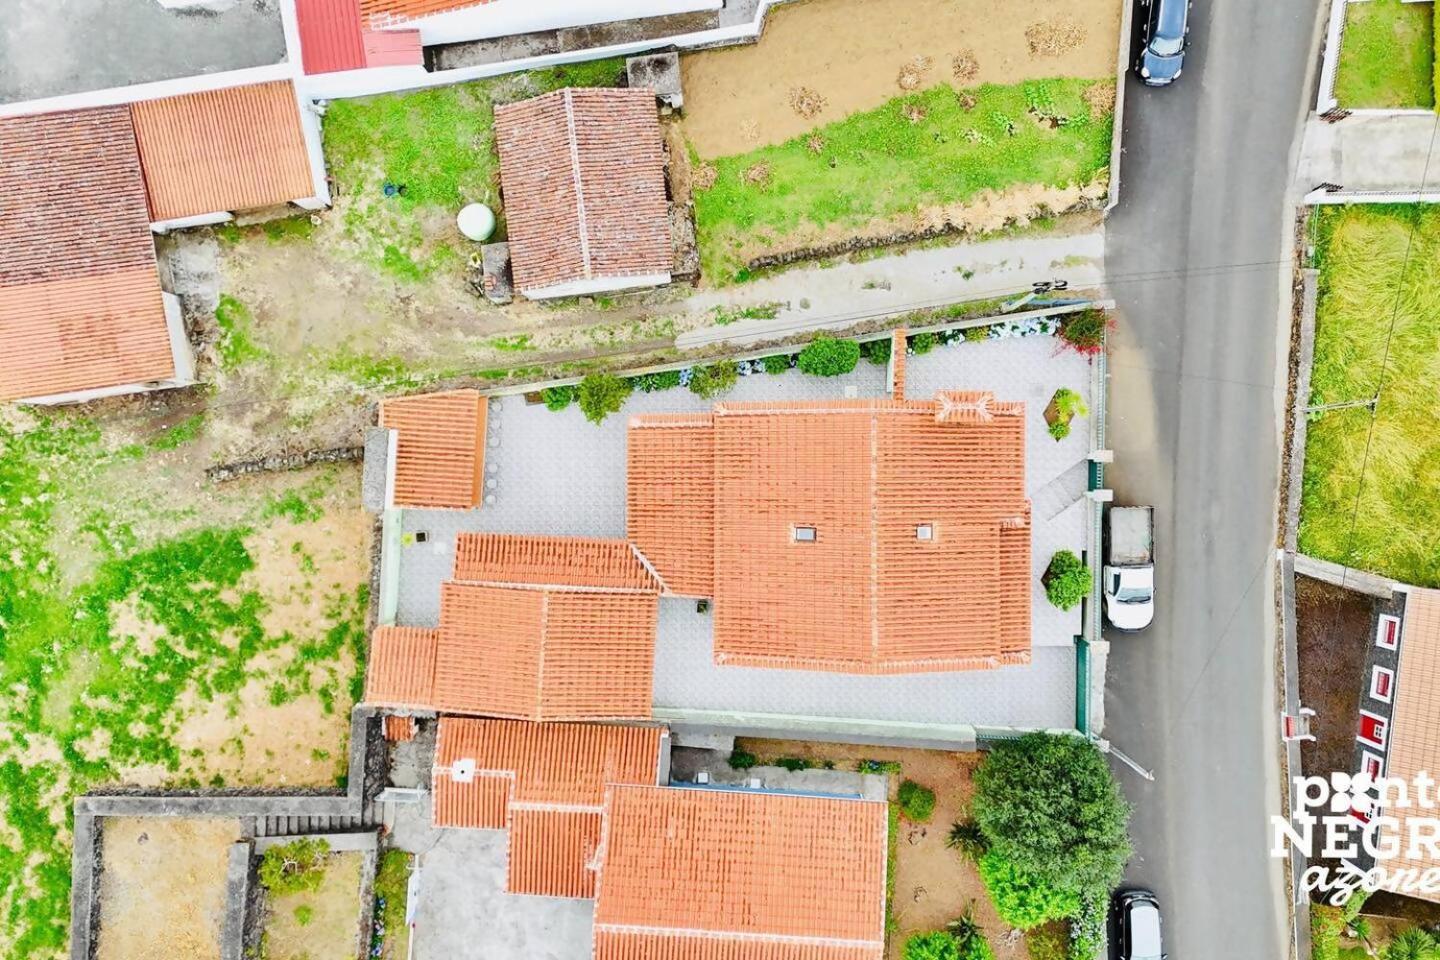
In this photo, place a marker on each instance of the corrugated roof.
(568, 561)
(80, 303)
(400, 671)
(440, 451)
(330, 35)
(546, 781)
(869, 593)
(379, 13)
(583, 181)
(1414, 734)
(239, 148)
(707, 874)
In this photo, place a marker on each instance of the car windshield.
(1169, 28)
(1132, 595)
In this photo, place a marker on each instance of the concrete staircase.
(299, 826)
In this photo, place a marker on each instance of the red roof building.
(332, 39)
(859, 536)
(582, 175)
(708, 874)
(80, 302)
(545, 783)
(439, 460)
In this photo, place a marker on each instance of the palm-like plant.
(1413, 944)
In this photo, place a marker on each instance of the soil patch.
(1334, 631)
(322, 924)
(162, 890)
(849, 55)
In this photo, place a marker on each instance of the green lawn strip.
(392, 887)
(438, 147)
(884, 162)
(104, 699)
(1395, 512)
(1386, 56)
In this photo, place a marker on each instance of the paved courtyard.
(555, 473)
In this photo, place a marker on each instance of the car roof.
(1144, 920)
(1170, 18)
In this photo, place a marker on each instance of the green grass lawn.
(928, 149)
(1386, 56)
(1372, 484)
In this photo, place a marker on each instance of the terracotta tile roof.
(1414, 735)
(545, 654)
(567, 561)
(380, 13)
(239, 148)
(546, 782)
(583, 184)
(401, 667)
(670, 505)
(80, 303)
(440, 451)
(899, 347)
(707, 874)
(868, 594)
(398, 729)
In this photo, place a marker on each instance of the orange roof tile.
(709, 874)
(868, 594)
(80, 302)
(401, 667)
(547, 782)
(398, 729)
(239, 148)
(583, 179)
(899, 347)
(545, 654)
(1414, 734)
(440, 450)
(670, 505)
(381, 13)
(570, 561)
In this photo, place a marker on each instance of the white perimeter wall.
(506, 18)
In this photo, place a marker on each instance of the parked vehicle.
(1139, 924)
(1129, 574)
(1164, 27)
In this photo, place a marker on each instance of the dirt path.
(822, 60)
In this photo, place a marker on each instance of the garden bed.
(1387, 55)
(321, 923)
(1334, 633)
(1372, 482)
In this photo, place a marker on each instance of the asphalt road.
(1191, 256)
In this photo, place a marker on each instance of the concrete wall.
(504, 19)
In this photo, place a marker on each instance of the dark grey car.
(1164, 27)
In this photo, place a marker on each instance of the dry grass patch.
(1055, 37)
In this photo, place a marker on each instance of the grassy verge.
(392, 880)
(1386, 56)
(1372, 483)
(112, 637)
(932, 149)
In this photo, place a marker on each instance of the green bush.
(713, 380)
(969, 937)
(793, 764)
(1067, 580)
(1060, 429)
(829, 357)
(1069, 403)
(916, 802)
(651, 382)
(966, 837)
(876, 351)
(1413, 944)
(1049, 805)
(1050, 942)
(602, 394)
(976, 334)
(922, 343)
(891, 767)
(742, 760)
(304, 914)
(1024, 900)
(558, 398)
(1087, 927)
(936, 945)
(294, 867)
(777, 363)
(1327, 923)
(1085, 331)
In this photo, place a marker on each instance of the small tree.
(936, 945)
(829, 357)
(1067, 580)
(294, 867)
(917, 803)
(602, 394)
(1024, 900)
(558, 398)
(1050, 807)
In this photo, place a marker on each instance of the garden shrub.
(916, 802)
(878, 766)
(1413, 944)
(777, 363)
(922, 343)
(1060, 429)
(936, 945)
(602, 394)
(1067, 580)
(876, 351)
(1087, 927)
(651, 382)
(969, 938)
(966, 838)
(1050, 942)
(793, 764)
(1024, 900)
(1326, 924)
(976, 334)
(558, 398)
(304, 914)
(1069, 404)
(294, 867)
(1049, 805)
(742, 760)
(713, 380)
(1085, 331)
(829, 357)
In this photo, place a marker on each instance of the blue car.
(1164, 27)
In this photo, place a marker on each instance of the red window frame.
(1372, 764)
(1382, 683)
(1387, 632)
(1373, 729)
